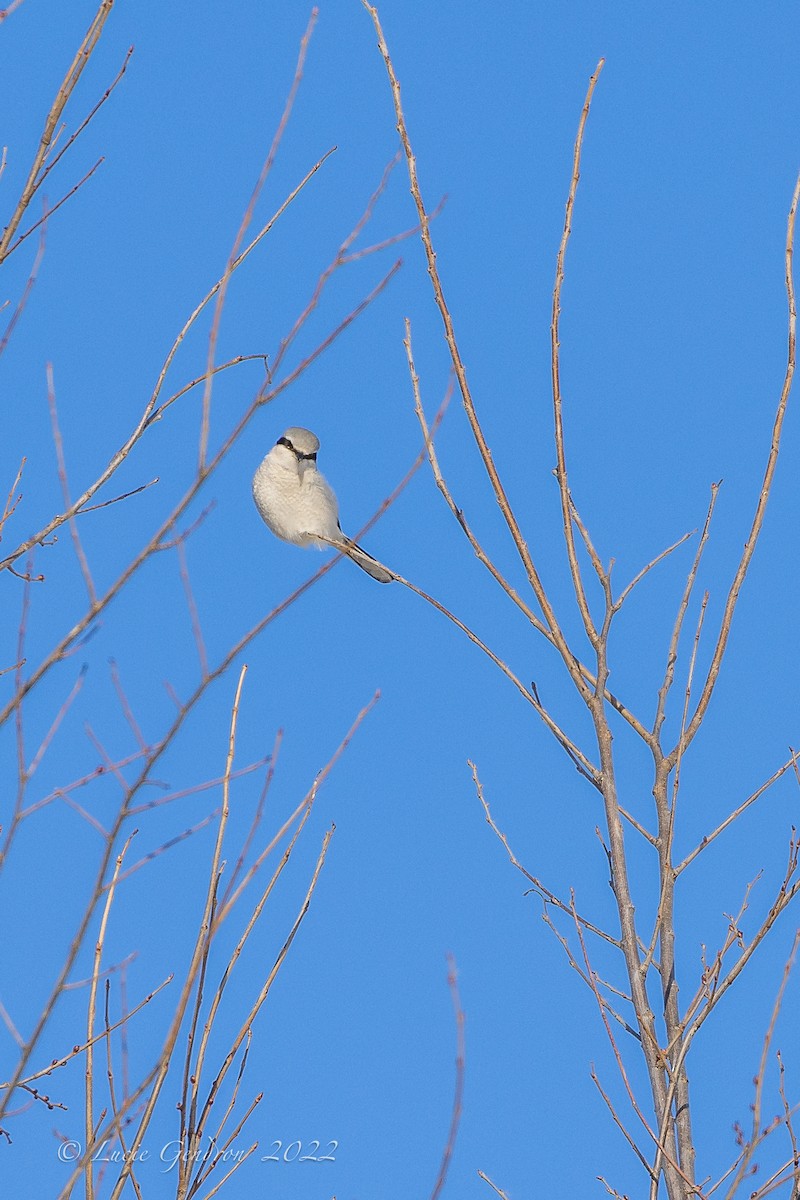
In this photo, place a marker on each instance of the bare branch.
(493, 1186)
(9, 9)
(618, 1122)
(455, 1120)
(480, 553)
(23, 300)
(547, 895)
(461, 375)
(766, 488)
(151, 413)
(90, 1033)
(243, 227)
(737, 812)
(757, 1134)
(62, 476)
(53, 117)
(567, 511)
(49, 211)
(626, 591)
(92, 112)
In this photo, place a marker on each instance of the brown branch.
(594, 557)
(116, 499)
(112, 1091)
(672, 654)
(582, 764)
(481, 554)
(194, 615)
(199, 952)
(232, 895)
(376, 247)
(663, 926)
(567, 514)
(9, 9)
(545, 892)
(264, 992)
(193, 383)
(610, 1033)
(80, 1049)
(493, 1186)
(713, 986)
(457, 512)
(53, 117)
(766, 488)
(339, 260)
(20, 308)
(49, 211)
(455, 1120)
(578, 969)
(155, 414)
(90, 1017)
(92, 113)
(270, 762)
(757, 1134)
(737, 812)
(63, 647)
(62, 476)
(243, 227)
(11, 500)
(461, 375)
(57, 719)
(151, 413)
(788, 1114)
(618, 1122)
(626, 591)
(202, 1175)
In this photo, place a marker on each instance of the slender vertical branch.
(53, 117)
(90, 1032)
(455, 1120)
(461, 375)
(672, 653)
(764, 494)
(205, 422)
(567, 513)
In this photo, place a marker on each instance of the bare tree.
(660, 1030)
(214, 1104)
(643, 1017)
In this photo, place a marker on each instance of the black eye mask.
(300, 457)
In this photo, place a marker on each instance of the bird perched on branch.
(299, 505)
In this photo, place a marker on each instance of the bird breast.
(295, 504)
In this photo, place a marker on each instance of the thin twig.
(766, 488)
(23, 300)
(90, 1033)
(493, 1186)
(737, 812)
(455, 1120)
(53, 117)
(549, 896)
(49, 212)
(243, 227)
(461, 375)
(62, 476)
(757, 1134)
(568, 513)
(672, 653)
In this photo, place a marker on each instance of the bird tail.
(367, 562)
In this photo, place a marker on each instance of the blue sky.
(673, 345)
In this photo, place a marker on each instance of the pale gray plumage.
(298, 504)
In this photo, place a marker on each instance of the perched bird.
(298, 504)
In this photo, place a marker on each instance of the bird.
(297, 503)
